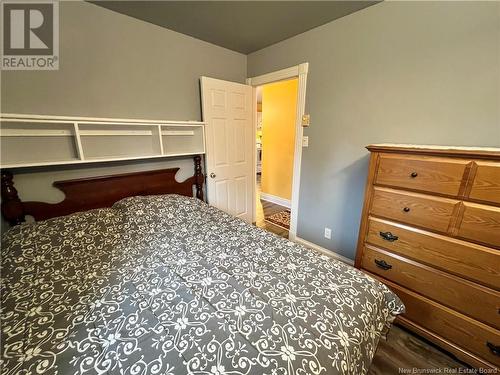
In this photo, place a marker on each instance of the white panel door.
(230, 143)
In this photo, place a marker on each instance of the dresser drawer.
(412, 208)
(471, 261)
(450, 325)
(428, 174)
(486, 184)
(480, 223)
(478, 302)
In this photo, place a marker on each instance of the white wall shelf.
(37, 140)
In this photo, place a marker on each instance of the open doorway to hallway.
(275, 145)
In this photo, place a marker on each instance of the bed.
(166, 284)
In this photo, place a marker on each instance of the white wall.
(405, 72)
(112, 65)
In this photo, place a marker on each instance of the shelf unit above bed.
(35, 140)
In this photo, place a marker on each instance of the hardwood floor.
(404, 350)
(265, 209)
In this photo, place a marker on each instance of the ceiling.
(242, 26)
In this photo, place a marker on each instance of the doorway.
(275, 147)
(277, 185)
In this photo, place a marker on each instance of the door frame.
(298, 71)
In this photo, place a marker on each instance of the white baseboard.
(327, 252)
(276, 200)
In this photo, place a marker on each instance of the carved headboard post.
(198, 175)
(12, 207)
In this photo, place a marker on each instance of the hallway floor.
(264, 209)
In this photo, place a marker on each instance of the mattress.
(170, 285)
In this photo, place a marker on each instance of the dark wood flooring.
(405, 350)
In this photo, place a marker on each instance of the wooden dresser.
(430, 230)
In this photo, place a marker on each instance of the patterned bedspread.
(170, 285)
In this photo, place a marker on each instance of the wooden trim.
(297, 155)
(442, 252)
(467, 297)
(363, 226)
(70, 119)
(480, 223)
(472, 181)
(198, 177)
(157, 134)
(456, 218)
(12, 207)
(472, 169)
(78, 141)
(276, 200)
(275, 76)
(36, 133)
(447, 345)
(297, 159)
(466, 179)
(93, 161)
(299, 71)
(254, 153)
(86, 133)
(98, 192)
(450, 347)
(460, 152)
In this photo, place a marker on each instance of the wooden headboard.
(98, 192)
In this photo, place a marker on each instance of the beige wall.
(112, 65)
(406, 72)
(279, 107)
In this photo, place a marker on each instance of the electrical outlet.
(305, 141)
(328, 233)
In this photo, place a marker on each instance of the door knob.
(212, 175)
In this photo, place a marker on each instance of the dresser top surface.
(459, 151)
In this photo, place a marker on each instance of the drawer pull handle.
(413, 174)
(388, 236)
(383, 264)
(406, 209)
(495, 349)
